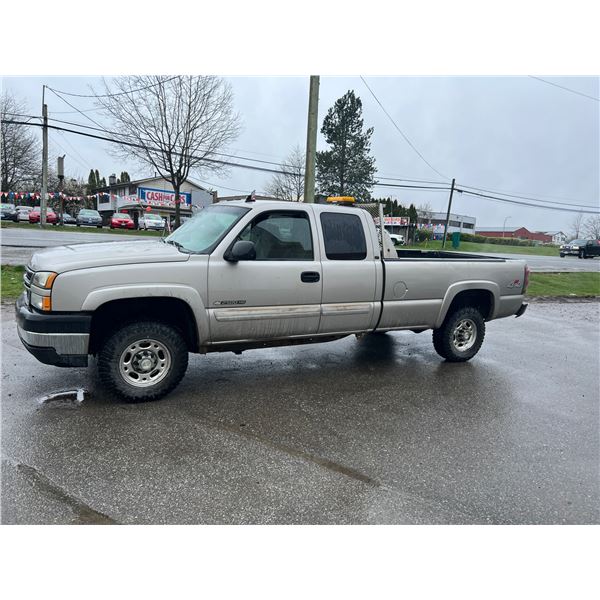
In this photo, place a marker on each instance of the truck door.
(278, 294)
(349, 273)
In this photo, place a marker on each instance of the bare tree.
(577, 225)
(425, 212)
(20, 153)
(289, 185)
(178, 124)
(591, 228)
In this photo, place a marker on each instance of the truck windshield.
(202, 233)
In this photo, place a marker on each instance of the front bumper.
(59, 339)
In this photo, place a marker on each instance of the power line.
(88, 118)
(497, 199)
(400, 130)
(146, 148)
(116, 93)
(532, 198)
(268, 162)
(562, 87)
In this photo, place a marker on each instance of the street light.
(504, 225)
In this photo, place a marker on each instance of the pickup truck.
(243, 275)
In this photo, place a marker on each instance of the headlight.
(574, 247)
(44, 279)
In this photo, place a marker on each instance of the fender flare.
(461, 286)
(96, 298)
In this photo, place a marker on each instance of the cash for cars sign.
(154, 197)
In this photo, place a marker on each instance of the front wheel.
(143, 361)
(561, 255)
(460, 336)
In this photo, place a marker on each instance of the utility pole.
(44, 160)
(448, 214)
(61, 180)
(311, 140)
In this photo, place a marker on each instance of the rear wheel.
(461, 335)
(143, 361)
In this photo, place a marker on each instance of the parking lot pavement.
(553, 264)
(377, 430)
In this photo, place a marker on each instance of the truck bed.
(440, 255)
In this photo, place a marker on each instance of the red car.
(51, 216)
(121, 221)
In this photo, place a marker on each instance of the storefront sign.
(154, 197)
(401, 221)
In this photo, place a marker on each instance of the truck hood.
(104, 254)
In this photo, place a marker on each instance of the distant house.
(558, 237)
(520, 233)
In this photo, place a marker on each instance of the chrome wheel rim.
(464, 335)
(145, 362)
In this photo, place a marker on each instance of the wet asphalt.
(378, 430)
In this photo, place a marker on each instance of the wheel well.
(116, 313)
(483, 300)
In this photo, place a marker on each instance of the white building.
(437, 220)
(558, 237)
(135, 197)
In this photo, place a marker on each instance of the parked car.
(580, 248)
(23, 213)
(243, 275)
(88, 216)
(8, 212)
(51, 216)
(151, 221)
(398, 239)
(67, 219)
(121, 221)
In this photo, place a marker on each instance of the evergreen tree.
(91, 184)
(125, 177)
(102, 182)
(97, 178)
(347, 169)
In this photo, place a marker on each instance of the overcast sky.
(511, 134)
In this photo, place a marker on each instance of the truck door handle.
(310, 276)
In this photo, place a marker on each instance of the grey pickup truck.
(243, 275)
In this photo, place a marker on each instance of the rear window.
(120, 216)
(344, 236)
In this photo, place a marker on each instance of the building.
(558, 237)
(519, 233)
(436, 222)
(135, 197)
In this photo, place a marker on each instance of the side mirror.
(241, 250)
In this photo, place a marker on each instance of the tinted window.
(280, 235)
(344, 236)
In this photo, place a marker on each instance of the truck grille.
(27, 277)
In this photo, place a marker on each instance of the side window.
(280, 235)
(344, 236)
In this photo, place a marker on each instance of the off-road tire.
(113, 347)
(444, 336)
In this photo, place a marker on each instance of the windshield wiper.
(179, 246)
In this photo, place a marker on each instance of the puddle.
(67, 399)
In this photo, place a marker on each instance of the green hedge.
(482, 239)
